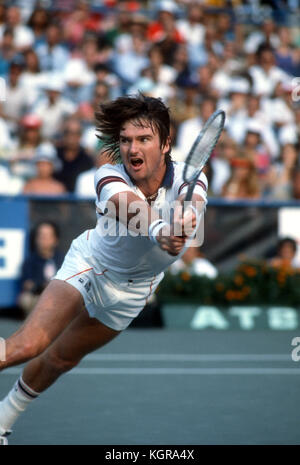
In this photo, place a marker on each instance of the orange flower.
(239, 280)
(185, 276)
(250, 271)
(229, 295)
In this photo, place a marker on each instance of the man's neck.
(150, 187)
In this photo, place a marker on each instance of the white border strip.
(175, 371)
(189, 357)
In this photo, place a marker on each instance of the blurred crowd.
(59, 60)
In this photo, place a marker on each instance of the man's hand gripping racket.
(195, 161)
(184, 218)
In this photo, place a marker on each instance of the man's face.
(141, 151)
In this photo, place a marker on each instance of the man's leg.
(83, 335)
(58, 305)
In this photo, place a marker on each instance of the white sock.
(14, 404)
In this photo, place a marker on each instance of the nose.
(134, 147)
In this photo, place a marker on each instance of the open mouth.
(136, 162)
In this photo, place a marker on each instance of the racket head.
(203, 146)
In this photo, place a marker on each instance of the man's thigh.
(57, 306)
(82, 336)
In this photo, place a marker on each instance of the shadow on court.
(170, 387)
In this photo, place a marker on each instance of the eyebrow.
(140, 136)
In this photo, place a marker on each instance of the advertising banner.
(13, 227)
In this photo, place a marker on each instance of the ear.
(167, 146)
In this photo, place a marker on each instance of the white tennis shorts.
(110, 297)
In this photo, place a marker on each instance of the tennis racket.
(201, 150)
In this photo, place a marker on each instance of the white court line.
(175, 371)
(189, 357)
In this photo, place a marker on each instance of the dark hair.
(143, 110)
(287, 240)
(34, 232)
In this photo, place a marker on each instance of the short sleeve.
(109, 180)
(180, 187)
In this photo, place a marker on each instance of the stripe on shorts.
(76, 274)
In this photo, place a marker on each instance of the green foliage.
(251, 283)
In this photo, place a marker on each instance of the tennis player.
(110, 271)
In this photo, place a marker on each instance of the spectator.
(266, 35)
(164, 26)
(23, 36)
(79, 73)
(279, 181)
(286, 55)
(290, 133)
(14, 105)
(78, 22)
(192, 27)
(194, 262)
(265, 74)
(255, 149)
(286, 254)
(84, 186)
(86, 110)
(53, 108)
(184, 105)
(181, 64)
(189, 129)
(128, 65)
(30, 137)
(104, 74)
(280, 107)
(225, 152)
(9, 184)
(137, 27)
(32, 80)
(243, 182)
(162, 73)
(7, 51)
(225, 31)
(41, 265)
(46, 162)
(74, 158)
(52, 53)
(86, 114)
(38, 23)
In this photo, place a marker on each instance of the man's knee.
(58, 363)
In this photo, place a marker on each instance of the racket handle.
(189, 193)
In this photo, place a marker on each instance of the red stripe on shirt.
(198, 183)
(201, 184)
(107, 180)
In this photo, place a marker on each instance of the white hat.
(239, 85)
(54, 82)
(168, 5)
(253, 126)
(47, 152)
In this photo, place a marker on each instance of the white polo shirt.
(115, 247)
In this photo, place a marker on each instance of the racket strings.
(202, 150)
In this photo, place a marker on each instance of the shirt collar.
(168, 177)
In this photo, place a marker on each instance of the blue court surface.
(158, 386)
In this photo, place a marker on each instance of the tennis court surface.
(170, 387)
